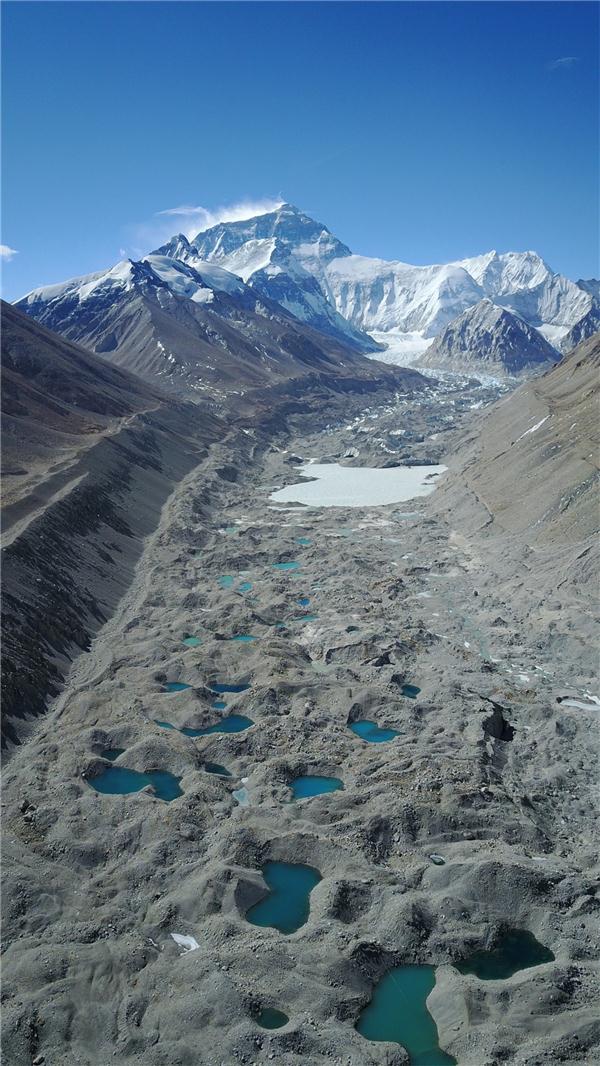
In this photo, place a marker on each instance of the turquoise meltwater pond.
(371, 732)
(119, 781)
(517, 950)
(398, 1013)
(287, 905)
(311, 785)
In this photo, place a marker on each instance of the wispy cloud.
(563, 63)
(190, 220)
(7, 253)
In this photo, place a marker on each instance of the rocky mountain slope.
(198, 331)
(90, 454)
(283, 252)
(489, 338)
(526, 475)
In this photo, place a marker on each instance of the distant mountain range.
(280, 287)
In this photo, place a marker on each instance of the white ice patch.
(533, 429)
(401, 348)
(188, 943)
(356, 486)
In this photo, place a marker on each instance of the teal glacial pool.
(234, 723)
(372, 732)
(287, 905)
(226, 581)
(216, 768)
(398, 1013)
(412, 691)
(303, 540)
(286, 566)
(311, 785)
(245, 586)
(307, 618)
(518, 950)
(119, 781)
(269, 1018)
(192, 642)
(219, 705)
(244, 638)
(176, 686)
(112, 753)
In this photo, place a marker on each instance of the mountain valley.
(266, 763)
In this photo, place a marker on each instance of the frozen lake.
(358, 486)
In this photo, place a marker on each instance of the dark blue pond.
(517, 950)
(112, 753)
(398, 1013)
(176, 686)
(412, 691)
(287, 905)
(216, 768)
(371, 732)
(311, 785)
(219, 705)
(119, 781)
(221, 687)
(269, 1018)
(304, 601)
(233, 723)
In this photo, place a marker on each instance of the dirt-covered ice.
(477, 818)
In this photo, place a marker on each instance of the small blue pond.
(269, 1018)
(287, 905)
(112, 753)
(245, 586)
(216, 768)
(303, 540)
(412, 691)
(398, 1013)
(119, 781)
(307, 618)
(311, 785)
(286, 566)
(226, 581)
(176, 686)
(219, 705)
(518, 950)
(192, 642)
(234, 723)
(221, 687)
(304, 601)
(372, 732)
(244, 638)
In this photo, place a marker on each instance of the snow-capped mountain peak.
(294, 259)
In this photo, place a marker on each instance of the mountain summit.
(290, 257)
(264, 289)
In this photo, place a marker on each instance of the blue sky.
(422, 132)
